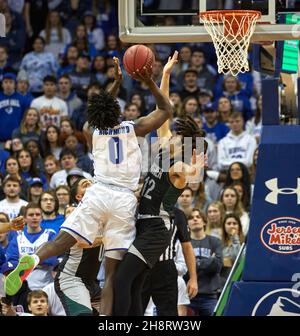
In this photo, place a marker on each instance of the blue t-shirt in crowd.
(216, 133)
(53, 224)
(12, 109)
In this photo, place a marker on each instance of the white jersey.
(117, 156)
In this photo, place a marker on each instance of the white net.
(231, 33)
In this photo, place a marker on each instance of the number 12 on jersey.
(115, 150)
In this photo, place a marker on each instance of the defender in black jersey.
(158, 198)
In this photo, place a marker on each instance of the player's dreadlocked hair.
(103, 111)
(187, 127)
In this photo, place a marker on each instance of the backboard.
(165, 21)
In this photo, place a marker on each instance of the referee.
(161, 283)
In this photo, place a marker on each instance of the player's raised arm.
(163, 111)
(164, 131)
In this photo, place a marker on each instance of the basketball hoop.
(231, 31)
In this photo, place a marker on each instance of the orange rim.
(219, 15)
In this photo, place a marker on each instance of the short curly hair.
(103, 111)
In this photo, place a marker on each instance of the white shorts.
(183, 297)
(105, 210)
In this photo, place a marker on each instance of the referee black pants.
(161, 284)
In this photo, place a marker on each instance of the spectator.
(200, 199)
(30, 127)
(69, 60)
(5, 65)
(246, 80)
(65, 93)
(35, 190)
(241, 190)
(13, 146)
(232, 240)
(215, 214)
(82, 44)
(38, 303)
(239, 100)
(51, 141)
(95, 34)
(12, 168)
(215, 130)
(232, 204)
(16, 304)
(38, 64)
(190, 87)
(190, 107)
(63, 195)
(99, 69)
(205, 99)
(12, 108)
(131, 112)
(14, 38)
(185, 201)
(106, 15)
(68, 161)
(177, 103)
(79, 116)
(237, 146)
(49, 206)
(138, 99)
(83, 160)
(50, 107)
(55, 35)
(206, 73)
(81, 77)
(12, 203)
(208, 252)
(23, 86)
(52, 166)
(27, 168)
(113, 46)
(254, 125)
(185, 54)
(34, 148)
(238, 172)
(35, 13)
(225, 110)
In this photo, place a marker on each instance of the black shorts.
(152, 239)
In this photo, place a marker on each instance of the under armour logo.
(272, 185)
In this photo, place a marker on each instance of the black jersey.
(158, 192)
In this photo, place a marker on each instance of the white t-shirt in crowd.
(51, 110)
(12, 209)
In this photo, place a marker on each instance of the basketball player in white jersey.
(111, 200)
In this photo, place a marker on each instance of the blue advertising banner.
(264, 299)
(273, 246)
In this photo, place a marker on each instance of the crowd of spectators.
(58, 53)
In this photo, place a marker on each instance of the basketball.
(136, 58)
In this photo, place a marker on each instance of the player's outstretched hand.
(143, 76)
(17, 223)
(172, 61)
(118, 72)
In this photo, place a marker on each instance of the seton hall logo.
(282, 235)
(272, 185)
